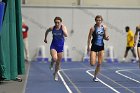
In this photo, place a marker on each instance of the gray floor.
(14, 86)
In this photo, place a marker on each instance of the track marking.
(105, 87)
(70, 91)
(77, 89)
(118, 84)
(111, 79)
(103, 82)
(118, 72)
(134, 73)
(64, 82)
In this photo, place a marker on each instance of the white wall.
(79, 20)
(118, 3)
(51, 2)
(129, 3)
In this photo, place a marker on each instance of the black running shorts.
(96, 48)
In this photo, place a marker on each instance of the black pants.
(132, 50)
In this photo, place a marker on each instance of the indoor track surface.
(76, 77)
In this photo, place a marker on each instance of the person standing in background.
(95, 44)
(59, 31)
(130, 43)
(25, 29)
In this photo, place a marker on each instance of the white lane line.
(72, 69)
(118, 72)
(104, 87)
(77, 89)
(65, 84)
(103, 82)
(134, 73)
(126, 88)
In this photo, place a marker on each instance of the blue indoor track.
(76, 77)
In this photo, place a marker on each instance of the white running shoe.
(123, 60)
(95, 79)
(51, 68)
(56, 77)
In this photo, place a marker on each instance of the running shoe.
(55, 77)
(95, 79)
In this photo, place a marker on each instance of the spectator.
(25, 29)
(130, 43)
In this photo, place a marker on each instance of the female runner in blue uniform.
(95, 44)
(59, 31)
(138, 45)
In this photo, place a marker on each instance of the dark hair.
(98, 16)
(58, 18)
(137, 28)
(127, 28)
